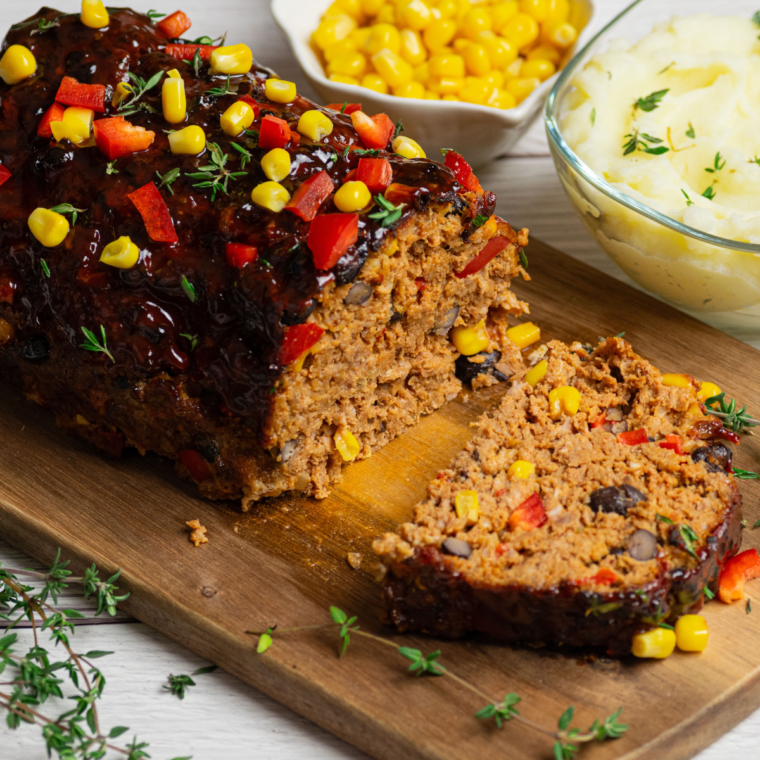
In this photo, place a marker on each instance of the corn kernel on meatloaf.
(588, 508)
(199, 354)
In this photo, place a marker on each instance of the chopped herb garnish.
(138, 88)
(111, 168)
(480, 220)
(709, 192)
(398, 130)
(166, 181)
(155, 14)
(689, 539)
(662, 71)
(215, 175)
(593, 116)
(67, 208)
(746, 475)
(93, 344)
(643, 142)
(245, 155)
(736, 420)
(651, 101)
(343, 109)
(373, 153)
(690, 132)
(45, 267)
(748, 608)
(717, 164)
(689, 201)
(666, 625)
(709, 594)
(192, 338)
(388, 213)
(226, 90)
(664, 519)
(523, 258)
(188, 289)
(44, 25)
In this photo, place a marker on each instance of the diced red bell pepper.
(116, 137)
(158, 221)
(299, 338)
(350, 177)
(421, 284)
(310, 195)
(274, 133)
(346, 108)
(600, 421)
(186, 52)
(375, 131)
(253, 104)
(530, 514)
(375, 173)
(490, 250)
(240, 255)
(330, 236)
(196, 464)
(605, 577)
(174, 25)
(633, 437)
(54, 113)
(72, 93)
(737, 570)
(5, 175)
(672, 442)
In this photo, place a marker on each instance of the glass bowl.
(689, 268)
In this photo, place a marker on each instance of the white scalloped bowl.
(480, 133)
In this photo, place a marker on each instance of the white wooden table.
(221, 716)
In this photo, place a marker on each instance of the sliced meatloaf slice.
(594, 504)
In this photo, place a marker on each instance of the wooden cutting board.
(286, 563)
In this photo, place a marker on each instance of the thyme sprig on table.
(215, 175)
(387, 214)
(91, 342)
(178, 685)
(138, 88)
(732, 418)
(567, 739)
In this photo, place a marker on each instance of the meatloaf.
(596, 503)
(257, 347)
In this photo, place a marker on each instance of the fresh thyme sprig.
(67, 208)
(166, 181)
(178, 685)
(689, 201)
(651, 101)
(566, 738)
(643, 142)
(245, 155)
(736, 420)
(214, 175)
(93, 344)
(138, 88)
(388, 213)
(43, 25)
(718, 164)
(226, 90)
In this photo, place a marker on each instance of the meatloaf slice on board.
(594, 504)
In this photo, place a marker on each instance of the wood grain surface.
(286, 562)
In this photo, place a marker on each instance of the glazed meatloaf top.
(183, 313)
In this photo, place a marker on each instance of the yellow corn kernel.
(446, 65)
(545, 53)
(236, 118)
(447, 8)
(476, 90)
(521, 87)
(692, 633)
(94, 14)
(658, 643)
(476, 59)
(412, 49)
(232, 59)
(386, 15)
(314, 125)
(520, 470)
(62, 131)
(564, 400)
(331, 30)
(560, 35)
(270, 195)
(501, 51)
(513, 70)
(536, 374)
(524, 335)
(173, 100)
(383, 37)
(344, 46)
(430, 95)
(82, 420)
(539, 68)
(347, 445)
(17, 63)
(707, 390)
(459, 44)
(415, 14)
(559, 11)
(188, 141)
(521, 31)
(504, 100)
(410, 90)
(408, 148)
(352, 7)
(392, 67)
(76, 125)
(122, 253)
(49, 227)
(439, 34)
(375, 83)
(350, 64)
(421, 73)
(466, 506)
(502, 13)
(676, 381)
(343, 79)
(471, 340)
(352, 196)
(495, 78)
(538, 9)
(371, 7)
(359, 37)
(695, 410)
(446, 86)
(476, 21)
(280, 91)
(276, 164)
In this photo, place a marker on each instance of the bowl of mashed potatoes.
(653, 129)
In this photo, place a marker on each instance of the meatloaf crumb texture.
(628, 535)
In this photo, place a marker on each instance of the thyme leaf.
(480, 220)
(188, 289)
(709, 192)
(643, 142)
(226, 90)
(192, 338)
(717, 164)
(138, 88)
(388, 214)
(215, 175)
(664, 519)
(709, 594)
(755, 160)
(501, 712)
(689, 539)
(155, 14)
(245, 155)
(45, 267)
(736, 420)
(166, 180)
(689, 201)
(364, 152)
(593, 116)
(111, 168)
(746, 475)
(93, 344)
(67, 208)
(651, 101)
(44, 25)
(690, 132)
(523, 258)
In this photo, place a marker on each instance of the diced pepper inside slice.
(605, 577)
(158, 221)
(633, 437)
(375, 131)
(187, 52)
(240, 255)
(600, 421)
(346, 108)
(274, 133)
(737, 570)
(298, 340)
(310, 195)
(490, 250)
(330, 236)
(174, 25)
(529, 515)
(116, 137)
(5, 175)
(196, 464)
(375, 173)
(54, 113)
(672, 442)
(72, 93)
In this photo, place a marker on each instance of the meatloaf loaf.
(596, 503)
(260, 347)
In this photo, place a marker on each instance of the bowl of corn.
(462, 74)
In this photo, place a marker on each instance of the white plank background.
(222, 717)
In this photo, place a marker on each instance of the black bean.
(36, 350)
(717, 457)
(457, 548)
(642, 545)
(615, 499)
(467, 370)
(359, 293)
